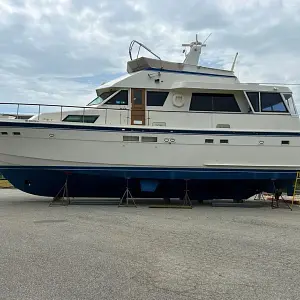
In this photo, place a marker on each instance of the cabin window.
(272, 102)
(214, 102)
(254, 100)
(201, 102)
(81, 118)
(119, 99)
(4, 133)
(101, 98)
(285, 142)
(156, 98)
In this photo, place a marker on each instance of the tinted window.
(105, 95)
(81, 118)
(156, 98)
(272, 102)
(214, 102)
(137, 96)
(120, 99)
(201, 102)
(254, 100)
(102, 97)
(225, 103)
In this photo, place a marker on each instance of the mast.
(192, 58)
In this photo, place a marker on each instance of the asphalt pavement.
(106, 252)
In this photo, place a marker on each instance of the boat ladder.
(296, 193)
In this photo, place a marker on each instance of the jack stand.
(60, 200)
(186, 199)
(276, 200)
(276, 197)
(126, 196)
(259, 197)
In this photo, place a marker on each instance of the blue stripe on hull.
(145, 129)
(110, 182)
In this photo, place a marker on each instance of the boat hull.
(148, 182)
(38, 158)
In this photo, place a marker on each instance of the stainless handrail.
(84, 108)
(150, 110)
(18, 111)
(140, 45)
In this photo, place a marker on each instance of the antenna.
(206, 38)
(234, 61)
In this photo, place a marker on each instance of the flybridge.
(149, 64)
(188, 66)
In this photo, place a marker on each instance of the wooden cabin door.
(138, 107)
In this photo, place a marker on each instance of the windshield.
(101, 98)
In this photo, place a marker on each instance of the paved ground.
(106, 252)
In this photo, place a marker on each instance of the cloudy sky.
(59, 51)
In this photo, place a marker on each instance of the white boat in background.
(159, 125)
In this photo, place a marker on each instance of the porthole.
(16, 133)
(261, 142)
(285, 142)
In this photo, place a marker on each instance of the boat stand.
(127, 196)
(276, 200)
(260, 196)
(186, 199)
(277, 196)
(62, 197)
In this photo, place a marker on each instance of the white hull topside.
(95, 148)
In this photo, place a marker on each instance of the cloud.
(61, 50)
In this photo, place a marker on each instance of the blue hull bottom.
(148, 182)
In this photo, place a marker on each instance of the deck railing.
(14, 109)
